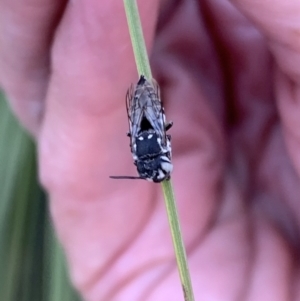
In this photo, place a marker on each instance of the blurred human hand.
(229, 82)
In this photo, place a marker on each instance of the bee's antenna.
(126, 177)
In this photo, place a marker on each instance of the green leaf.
(27, 271)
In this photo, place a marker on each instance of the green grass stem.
(137, 38)
(143, 67)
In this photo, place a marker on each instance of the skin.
(229, 75)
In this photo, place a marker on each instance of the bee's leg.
(128, 134)
(169, 125)
(169, 137)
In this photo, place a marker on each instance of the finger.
(83, 140)
(252, 115)
(26, 31)
(92, 64)
(246, 64)
(280, 23)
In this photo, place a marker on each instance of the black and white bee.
(149, 143)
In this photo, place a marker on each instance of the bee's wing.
(135, 113)
(154, 110)
(129, 96)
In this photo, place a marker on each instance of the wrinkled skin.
(229, 74)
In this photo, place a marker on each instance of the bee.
(150, 145)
